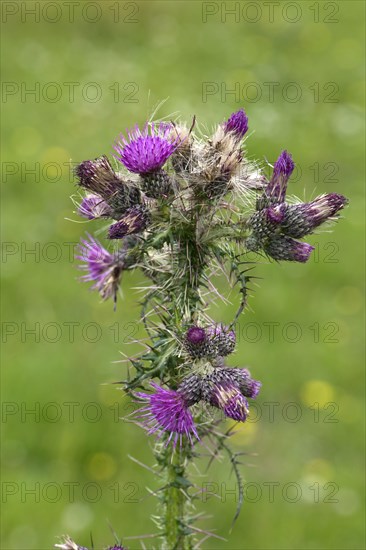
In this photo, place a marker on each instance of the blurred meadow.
(75, 75)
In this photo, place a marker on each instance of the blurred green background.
(298, 72)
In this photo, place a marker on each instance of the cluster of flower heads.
(207, 168)
(276, 224)
(166, 161)
(167, 411)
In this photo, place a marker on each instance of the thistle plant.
(181, 207)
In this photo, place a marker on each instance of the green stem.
(174, 459)
(176, 536)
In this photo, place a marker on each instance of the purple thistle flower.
(146, 150)
(228, 398)
(102, 267)
(282, 247)
(167, 411)
(237, 124)
(93, 207)
(302, 219)
(134, 220)
(282, 170)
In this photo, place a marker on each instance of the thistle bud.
(277, 186)
(135, 220)
(227, 389)
(302, 219)
(222, 339)
(229, 399)
(282, 247)
(191, 389)
(99, 177)
(247, 385)
(197, 343)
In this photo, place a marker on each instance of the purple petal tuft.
(229, 399)
(167, 411)
(93, 207)
(147, 150)
(103, 268)
(237, 124)
(196, 335)
(282, 170)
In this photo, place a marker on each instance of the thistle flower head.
(103, 268)
(229, 399)
(93, 207)
(227, 389)
(222, 339)
(252, 389)
(282, 170)
(197, 343)
(282, 247)
(191, 389)
(264, 223)
(98, 176)
(301, 219)
(146, 150)
(133, 221)
(247, 385)
(212, 341)
(167, 412)
(237, 124)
